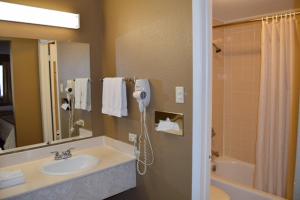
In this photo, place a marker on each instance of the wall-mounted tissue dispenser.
(168, 122)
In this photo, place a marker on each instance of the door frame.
(45, 91)
(202, 98)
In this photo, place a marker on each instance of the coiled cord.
(142, 159)
(71, 115)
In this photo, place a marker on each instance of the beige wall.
(153, 39)
(26, 91)
(89, 32)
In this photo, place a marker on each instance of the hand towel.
(85, 102)
(11, 178)
(114, 98)
(77, 93)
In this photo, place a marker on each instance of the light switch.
(61, 88)
(179, 94)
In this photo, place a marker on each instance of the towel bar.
(126, 79)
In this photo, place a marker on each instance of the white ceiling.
(231, 10)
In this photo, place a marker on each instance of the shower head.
(218, 50)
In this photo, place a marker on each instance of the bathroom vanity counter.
(113, 174)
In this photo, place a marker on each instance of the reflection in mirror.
(44, 92)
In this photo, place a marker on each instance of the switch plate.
(179, 94)
(61, 87)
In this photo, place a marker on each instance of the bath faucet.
(213, 167)
(63, 155)
(215, 153)
(213, 132)
(213, 164)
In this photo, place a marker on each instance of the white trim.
(202, 101)
(45, 90)
(53, 58)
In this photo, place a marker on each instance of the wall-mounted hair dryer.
(142, 93)
(69, 90)
(143, 147)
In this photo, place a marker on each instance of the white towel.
(85, 102)
(11, 178)
(83, 94)
(114, 99)
(77, 93)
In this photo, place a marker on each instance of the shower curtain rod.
(256, 19)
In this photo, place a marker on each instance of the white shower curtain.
(274, 120)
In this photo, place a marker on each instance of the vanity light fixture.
(33, 15)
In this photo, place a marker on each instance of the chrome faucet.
(213, 133)
(215, 153)
(63, 155)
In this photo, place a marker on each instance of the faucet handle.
(57, 156)
(55, 153)
(67, 154)
(69, 150)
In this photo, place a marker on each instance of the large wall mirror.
(45, 93)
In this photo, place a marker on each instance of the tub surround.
(238, 191)
(235, 170)
(115, 173)
(217, 194)
(235, 177)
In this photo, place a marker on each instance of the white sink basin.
(72, 165)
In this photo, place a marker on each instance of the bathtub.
(236, 179)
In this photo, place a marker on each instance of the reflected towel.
(83, 94)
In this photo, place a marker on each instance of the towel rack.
(88, 80)
(126, 79)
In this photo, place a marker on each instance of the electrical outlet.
(58, 135)
(132, 137)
